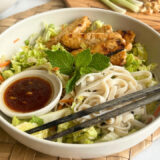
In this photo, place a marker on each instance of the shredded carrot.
(157, 111)
(70, 100)
(6, 63)
(1, 79)
(16, 40)
(59, 107)
(55, 69)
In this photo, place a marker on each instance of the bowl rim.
(84, 146)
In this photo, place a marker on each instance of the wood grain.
(152, 20)
(10, 149)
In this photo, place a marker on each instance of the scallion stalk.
(136, 2)
(127, 4)
(114, 6)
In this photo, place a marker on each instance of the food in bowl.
(36, 90)
(95, 64)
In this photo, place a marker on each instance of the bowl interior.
(144, 34)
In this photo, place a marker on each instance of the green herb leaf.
(37, 120)
(85, 70)
(71, 83)
(61, 59)
(83, 59)
(99, 62)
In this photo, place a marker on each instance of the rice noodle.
(111, 83)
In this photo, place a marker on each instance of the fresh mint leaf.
(62, 59)
(37, 120)
(85, 70)
(71, 82)
(99, 62)
(83, 59)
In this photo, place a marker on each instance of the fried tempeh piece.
(119, 58)
(103, 29)
(114, 43)
(129, 36)
(77, 26)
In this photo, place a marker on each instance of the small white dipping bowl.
(51, 78)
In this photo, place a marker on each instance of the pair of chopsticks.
(136, 99)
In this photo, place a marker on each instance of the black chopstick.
(108, 105)
(108, 115)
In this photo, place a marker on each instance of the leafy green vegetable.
(83, 59)
(139, 51)
(85, 136)
(85, 70)
(26, 42)
(71, 82)
(58, 46)
(34, 119)
(61, 59)
(108, 137)
(32, 53)
(37, 120)
(49, 31)
(24, 126)
(96, 24)
(99, 62)
(7, 73)
(132, 63)
(15, 121)
(136, 59)
(75, 67)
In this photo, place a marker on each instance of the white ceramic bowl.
(4, 4)
(54, 81)
(145, 34)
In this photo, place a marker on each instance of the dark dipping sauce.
(28, 94)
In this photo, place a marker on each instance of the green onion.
(136, 2)
(127, 4)
(114, 6)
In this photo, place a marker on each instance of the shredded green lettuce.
(108, 137)
(139, 51)
(7, 73)
(37, 120)
(133, 63)
(49, 31)
(85, 136)
(58, 46)
(33, 52)
(15, 121)
(96, 24)
(137, 58)
(25, 125)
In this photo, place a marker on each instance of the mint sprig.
(83, 63)
(61, 59)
